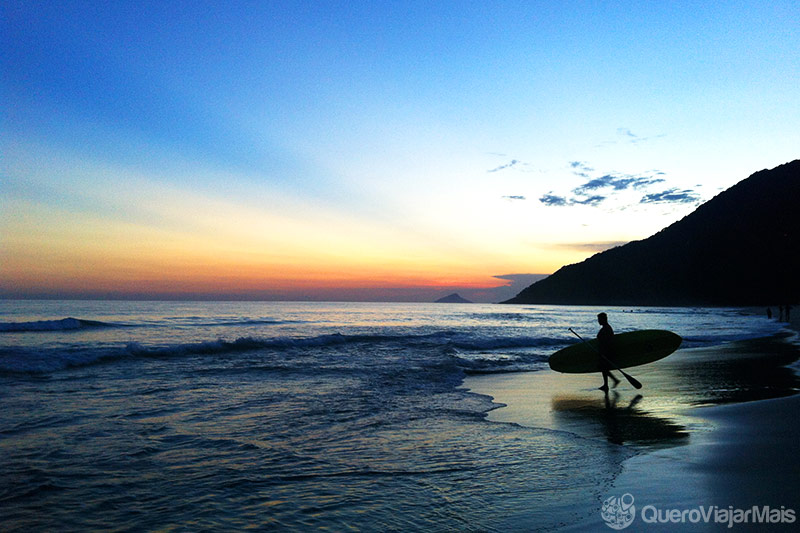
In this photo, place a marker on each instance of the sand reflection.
(619, 420)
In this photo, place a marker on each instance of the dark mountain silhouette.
(740, 248)
(454, 298)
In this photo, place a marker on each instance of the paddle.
(632, 380)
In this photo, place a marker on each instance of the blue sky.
(413, 145)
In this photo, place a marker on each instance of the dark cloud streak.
(671, 196)
(618, 183)
(510, 164)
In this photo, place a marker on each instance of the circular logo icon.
(618, 513)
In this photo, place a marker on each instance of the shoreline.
(711, 427)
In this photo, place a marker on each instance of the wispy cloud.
(590, 246)
(579, 168)
(671, 196)
(514, 197)
(510, 164)
(626, 136)
(514, 164)
(589, 200)
(597, 190)
(617, 183)
(634, 138)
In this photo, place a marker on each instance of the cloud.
(510, 164)
(589, 200)
(514, 197)
(617, 183)
(626, 136)
(635, 139)
(515, 164)
(524, 279)
(590, 246)
(515, 283)
(551, 199)
(559, 201)
(586, 194)
(580, 168)
(671, 196)
(610, 189)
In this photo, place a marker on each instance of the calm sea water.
(194, 416)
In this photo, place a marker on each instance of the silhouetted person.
(780, 313)
(605, 341)
(788, 313)
(769, 313)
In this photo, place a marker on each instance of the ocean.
(193, 416)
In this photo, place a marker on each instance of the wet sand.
(711, 427)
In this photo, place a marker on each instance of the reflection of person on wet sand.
(611, 402)
(619, 419)
(615, 432)
(605, 340)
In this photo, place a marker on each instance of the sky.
(374, 150)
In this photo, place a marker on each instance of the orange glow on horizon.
(167, 240)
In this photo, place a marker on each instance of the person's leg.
(616, 381)
(605, 381)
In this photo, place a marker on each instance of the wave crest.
(28, 360)
(63, 324)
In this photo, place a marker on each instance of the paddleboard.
(629, 349)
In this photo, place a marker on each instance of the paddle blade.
(632, 380)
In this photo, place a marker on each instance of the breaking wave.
(462, 347)
(64, 324)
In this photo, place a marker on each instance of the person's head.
(602, 319)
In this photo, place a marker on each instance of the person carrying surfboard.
(605, 341)
(633, 348)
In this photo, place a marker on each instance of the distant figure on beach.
(769, 313)
(605, 340)
(788, 313)
(780, 313)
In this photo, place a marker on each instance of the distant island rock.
(454, 298)
(742, 247)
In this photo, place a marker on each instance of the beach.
(188, 416)
(712, 430)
